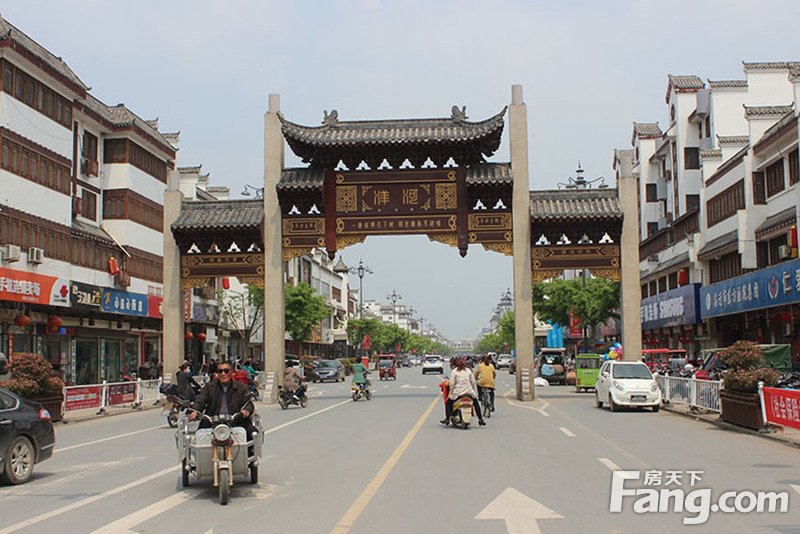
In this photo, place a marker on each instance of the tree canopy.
(303, 309)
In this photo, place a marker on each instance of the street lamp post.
(259, 191)
(360, 271)
(394, 297)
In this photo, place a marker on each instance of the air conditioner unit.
(784, 252)
(662, 223)
(35, 255)
(88, 167)
(653, 258)
(10, 253)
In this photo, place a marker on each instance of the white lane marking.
(103, 440)
(567, 432)
(519, 512)
(608, 463)
(540, 409)
(796, 487)
(88, 500)
(409, 386)
(126, 523)
(284, 425)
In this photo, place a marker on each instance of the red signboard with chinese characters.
(154, 306)
(575, 329)
(83, 398)
(121, 393)
(782, 406)
(22, 286)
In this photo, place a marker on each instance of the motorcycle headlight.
(222, 432)
(619, 385)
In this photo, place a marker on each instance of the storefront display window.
(87, 363)
(132, 355)
(112, 360)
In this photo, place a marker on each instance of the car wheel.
(19, 461)
(656, 408)
(597, 401)
(612, 404)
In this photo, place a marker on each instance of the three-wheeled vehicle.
(586, 368)
(222, 451)
(657, 357)
(387, 366)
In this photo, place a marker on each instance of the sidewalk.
(786, 435)
(86, 415)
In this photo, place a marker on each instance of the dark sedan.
(26, 437)
(329, 370)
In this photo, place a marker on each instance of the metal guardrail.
(101, 396)
(702, 394)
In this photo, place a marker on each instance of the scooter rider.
(360, 373)
(462, 382)
(187, 386)
(291, 379)
(224, 396)
(485, 374)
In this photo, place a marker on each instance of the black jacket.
(238, 399)
(186, 384)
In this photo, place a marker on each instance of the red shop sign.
(83, 398)
(782, 406)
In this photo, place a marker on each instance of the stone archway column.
(172, 306)
(274, 328)
(521, 207)
(630, 290)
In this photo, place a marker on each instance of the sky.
(589, 69)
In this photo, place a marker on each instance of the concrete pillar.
(630, 290)
(274, 321)
(521, 202)
(172, 306)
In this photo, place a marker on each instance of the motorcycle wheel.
(368, 394)
(255, 394)
(303, 401)
(253, 474)
(283, 404)
(224, 489)
(172, 419)
(355, 397)
(184, 474)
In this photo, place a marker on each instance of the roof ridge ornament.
(330, 119)
(459, 115)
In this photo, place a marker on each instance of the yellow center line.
(357, 508)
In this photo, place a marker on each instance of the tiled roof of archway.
(218, 215)
(571, 204)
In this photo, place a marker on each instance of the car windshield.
(632, 371)
(432, 360)
(326, 363)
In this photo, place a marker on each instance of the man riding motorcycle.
(291, 379)
(360, 373)
(224, 396)
(485, 374)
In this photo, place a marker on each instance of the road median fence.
(99, 397)
(699, 394)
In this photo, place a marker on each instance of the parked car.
(328, 370)
(512, 366)
(551, 365)
(432, 364)
(503, 360)
(626, 383)
(3, 364)
(26, 437)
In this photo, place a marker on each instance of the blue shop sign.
(672, 308)
(114, 301)
(773, 286)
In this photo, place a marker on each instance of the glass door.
(87, 364)
(112, 360)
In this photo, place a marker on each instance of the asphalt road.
(388, 466)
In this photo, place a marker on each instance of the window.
(728, 266)
(89, 149)
(775, 182)
(672, 280)
(652, 193)
(692, 202)
(89, 205)
(794, 168)
(37, 95)
(759, 188)
(691, 158)
(33, 162)
(708, 126)
(652, 228)
(725, 204)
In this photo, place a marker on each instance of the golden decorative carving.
(451, 175)
(473, 237)
(286, 241)
(541, 252)
(427, 188)
(257, 281)
(447, 239)
(339, 178)
(191, 283)
(540, 275)
(614, 275)
(304, 226)
(452, 223)
(321, 242)
(365, 206)
(503, 248)
(339, 226)
(344, 241)
(294, 252)
(489, 221)
(446, 198)
(508, 236)
(346, 198)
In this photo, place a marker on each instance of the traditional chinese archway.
(396, 177)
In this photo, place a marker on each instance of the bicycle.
(487, 404)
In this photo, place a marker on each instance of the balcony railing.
(682, 227)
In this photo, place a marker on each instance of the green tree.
(506, 330)
(390, 337)
(243, 311)
(491, 342)
(357, 330)
(303, 309)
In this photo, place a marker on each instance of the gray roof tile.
(766, 111)
(646, 130)
(733, 139)
(720, 245)
(566, 204)
(220, 215)
(727, 84)
(689, 83)
(780, 220)
(769, 65)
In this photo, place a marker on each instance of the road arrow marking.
(409, 386)
(519, 511)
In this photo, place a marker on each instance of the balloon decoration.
(614, 352)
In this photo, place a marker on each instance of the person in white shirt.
(462, 382)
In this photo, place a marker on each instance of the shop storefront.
(761, 306)
(672, 320)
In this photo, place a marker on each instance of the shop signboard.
(675, 307)
(86, 296)
(773, 286)
(83, 397)
(22, 286)
(121, 393)
(114, 301)
(154, 306)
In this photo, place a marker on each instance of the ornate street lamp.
(579, 182)
(259, 191)
(394, 297)
(360, 271)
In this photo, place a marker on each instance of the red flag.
(366, 341)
